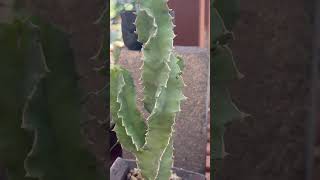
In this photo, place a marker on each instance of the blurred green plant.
(40, 106)
(223, 17)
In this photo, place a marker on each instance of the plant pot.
(128, 31)
(121, 167)
(130, 38)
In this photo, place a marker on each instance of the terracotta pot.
(121, 167)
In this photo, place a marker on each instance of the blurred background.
(273, 48)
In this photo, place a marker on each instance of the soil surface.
(273, 50)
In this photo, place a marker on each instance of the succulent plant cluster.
(151, 140)
(224, 14)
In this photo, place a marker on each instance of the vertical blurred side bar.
(106, 58)
(5, 16)
(311, 129)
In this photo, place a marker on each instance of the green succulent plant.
(151, 141)
(223, 16)
(40, 109)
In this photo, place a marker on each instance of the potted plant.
(150, 141)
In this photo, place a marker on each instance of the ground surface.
(272, 48)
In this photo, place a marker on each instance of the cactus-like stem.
(40, 110)
(223, 17)
(162, 81)
(129, 124)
